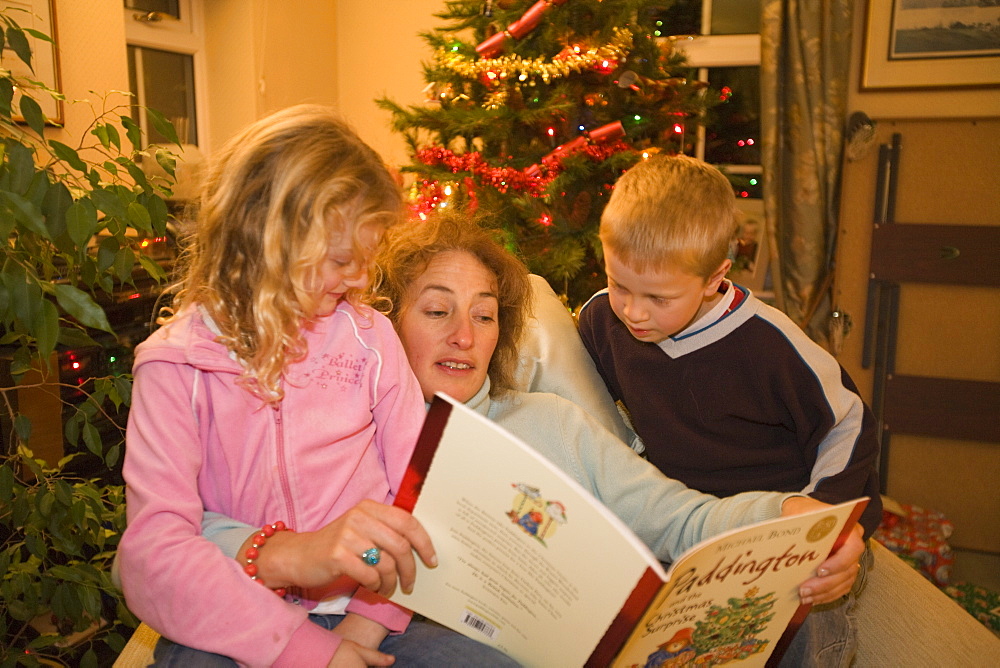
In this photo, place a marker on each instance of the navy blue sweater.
(747, 403)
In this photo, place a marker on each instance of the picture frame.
(750, 254)
(38, 15)
(909, 47)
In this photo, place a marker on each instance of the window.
(721, 40)
(165, 48)
(170, 8)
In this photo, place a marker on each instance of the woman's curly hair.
(405, 253)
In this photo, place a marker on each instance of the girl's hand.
(315, 559)
(364, 632)
(351, 654)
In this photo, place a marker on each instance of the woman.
(459, 302)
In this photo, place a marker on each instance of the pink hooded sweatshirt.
(197, 440)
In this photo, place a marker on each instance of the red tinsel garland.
(532, 180)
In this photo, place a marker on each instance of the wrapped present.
(981, 603)
(920, 537)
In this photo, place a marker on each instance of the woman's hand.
(315, 559)
(835, 576)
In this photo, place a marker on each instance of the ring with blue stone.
(371, 556)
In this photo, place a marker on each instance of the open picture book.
(532, 564)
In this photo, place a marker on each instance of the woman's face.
(449, 325)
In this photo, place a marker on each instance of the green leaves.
(24, 212)
(163, 126)
(32, 113)
(81, 306)
(18, 42)
(73, 215)
(58, 559)
(81, 221)
(108, 135)
(67, 155)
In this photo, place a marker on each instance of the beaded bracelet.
(253, 552)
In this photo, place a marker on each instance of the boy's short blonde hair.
(671, 210)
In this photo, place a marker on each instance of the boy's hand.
(796, 505)
(835, 576)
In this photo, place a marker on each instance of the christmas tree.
(730, 631)
(534, 109)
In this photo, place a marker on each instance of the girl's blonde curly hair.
(274, 198)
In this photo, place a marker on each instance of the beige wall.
(87, 63)
(265, 55)
(886, 107)
(951, 476)
(232, 97)
(932, 103)
(379, 52)
(262, 55)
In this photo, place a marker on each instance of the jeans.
(423, 644)
(828, 638)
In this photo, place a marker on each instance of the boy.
(727, 393)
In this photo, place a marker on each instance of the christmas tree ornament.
(518, 29)
(606, 65)
(648, 87)
(608, 132)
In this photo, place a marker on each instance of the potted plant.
(74, 219)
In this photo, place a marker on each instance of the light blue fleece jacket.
(665, 514)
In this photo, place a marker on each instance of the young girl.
(273, 397)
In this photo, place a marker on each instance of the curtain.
(805, 57)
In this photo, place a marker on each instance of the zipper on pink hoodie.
(286, 488)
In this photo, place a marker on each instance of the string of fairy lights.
(504, 75)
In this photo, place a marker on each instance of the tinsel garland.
(533, 180)
(526, 70)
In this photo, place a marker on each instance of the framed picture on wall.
(750, 255)
(36, 15)
(931, 44)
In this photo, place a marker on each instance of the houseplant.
(74, 218)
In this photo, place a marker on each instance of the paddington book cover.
(531, 563)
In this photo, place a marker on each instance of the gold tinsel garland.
(525, 70)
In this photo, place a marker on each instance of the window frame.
(706, 51)
(186, 36)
